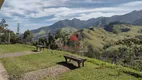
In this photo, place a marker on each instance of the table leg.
(36, 48)
(83, 63)
(78, 64)
(66, 60)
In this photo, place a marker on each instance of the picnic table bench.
(40, 47)
(74, 58)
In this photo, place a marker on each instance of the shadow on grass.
(68, 65)
(34, 50)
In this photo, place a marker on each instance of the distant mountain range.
(134, 17)
(138, 22)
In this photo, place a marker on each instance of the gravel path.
(34, 75)
(3, 73)
(16, 54)
(52, 72)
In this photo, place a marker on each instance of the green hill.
(98, 37)
(43, 32)
(119, 44)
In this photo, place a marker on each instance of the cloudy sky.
(32, 14)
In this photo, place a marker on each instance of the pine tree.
(18, 29)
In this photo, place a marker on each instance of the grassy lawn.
(15, 48)
(94, 69)
(90, 73)
(19, 65)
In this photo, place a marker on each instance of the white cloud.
(26, 7)
(40, 8)
(94, 15)
(32, 24)
(48, 12)
(59, 10)
(134, 3)
(85, 14)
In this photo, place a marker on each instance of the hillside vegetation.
(42, 33)
(98, 36)
(116, 43)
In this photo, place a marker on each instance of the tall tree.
(51, 42)
(4, 30)
(18, 29)
(3, 23)
(62, 36)
(59, 34)
(28, 36)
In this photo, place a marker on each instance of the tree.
(13, 38)
(18, 29)
(4, 32)
(5, 37)
(63, 36)
(51, 42)
(3, 23)
(58, 34)
(42, 41)
(28, 36)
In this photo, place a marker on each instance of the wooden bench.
(40, 47)
(74, 58)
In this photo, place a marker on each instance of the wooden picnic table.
(40, 47)
(74, 58)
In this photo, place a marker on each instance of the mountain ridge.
(101, 21)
